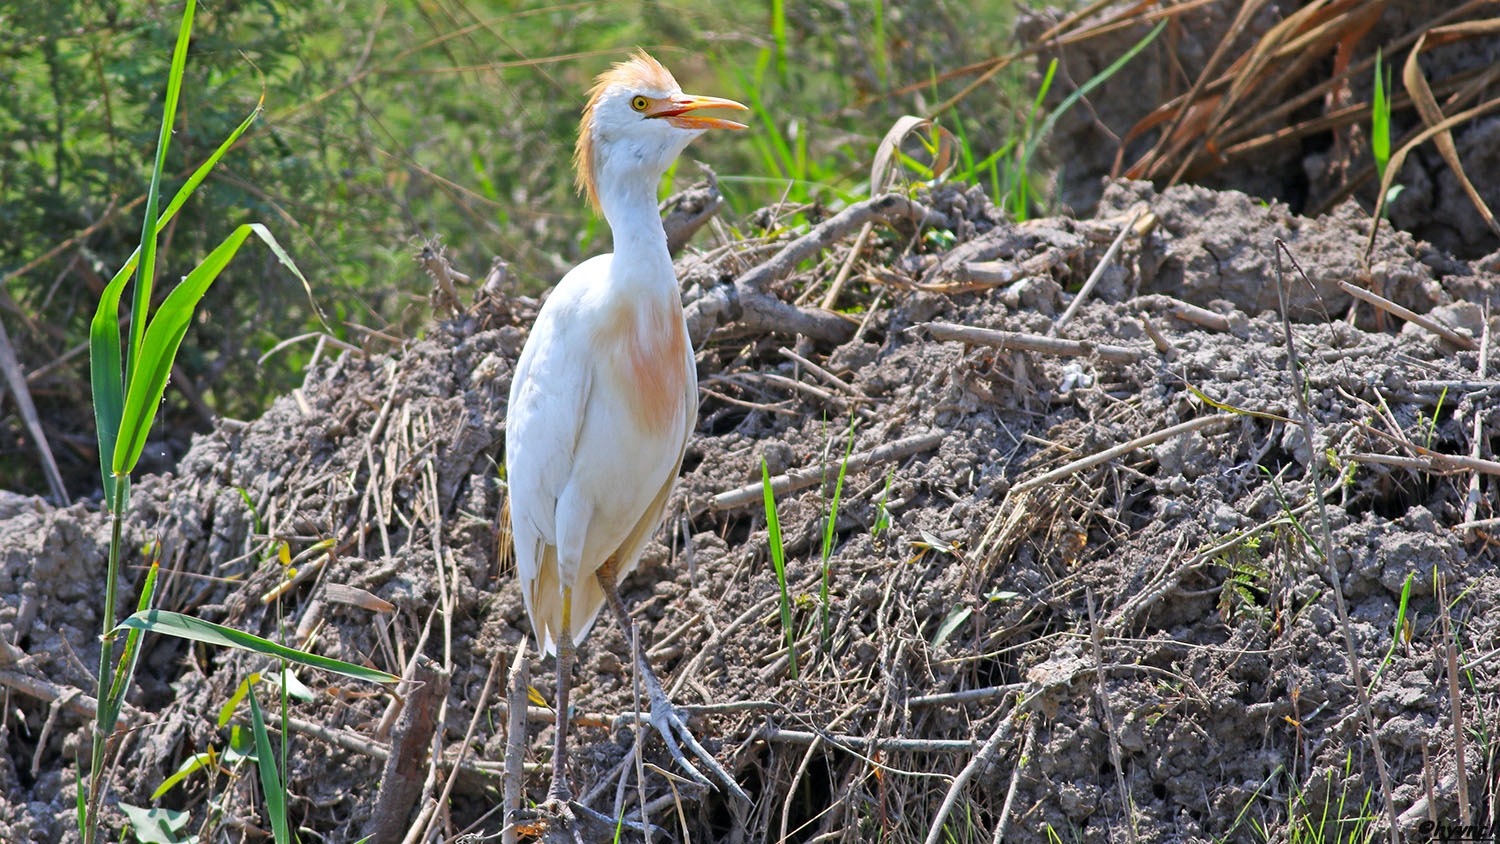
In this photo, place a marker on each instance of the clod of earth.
(964, 684)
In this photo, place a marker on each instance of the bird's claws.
(671, 723)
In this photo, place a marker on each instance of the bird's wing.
(548, 395)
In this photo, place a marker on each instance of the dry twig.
(1015, 340)
(803, 478)
(1294, 367)
(749, 300)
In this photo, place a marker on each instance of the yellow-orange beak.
(677, 111)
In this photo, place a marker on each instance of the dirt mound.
(1075, 567)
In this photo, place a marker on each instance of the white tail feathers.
(544, 598)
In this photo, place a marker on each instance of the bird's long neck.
(629, 204)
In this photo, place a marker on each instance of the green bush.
(387, 123)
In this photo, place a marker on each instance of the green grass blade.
(197, 761)
(1018, 178)
(82, 801)
(778, 559)
(106, 379)
(187, 627)
(882, 515)
(828, 529)
(778, 34)
(1034, 141)
(782, 158)
(157, 350)
(1396, 631)
(164, 337)
(270, 780)
(105, 358)
(1380, 117)
(130, 654)
(141, 302)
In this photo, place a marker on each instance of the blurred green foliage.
(387, 123)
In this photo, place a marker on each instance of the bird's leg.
(664, 716)
(560, 790)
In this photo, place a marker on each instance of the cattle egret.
(605, 395)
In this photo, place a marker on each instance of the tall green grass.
(128, 385)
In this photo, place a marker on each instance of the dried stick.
(1115, 757)
(406, 767)
(1315, 470)
(1443, 331)
(1015, 780)
(1016, 340)
(838, 287)
(16, 380)
(1456, 708)
(749, 301)
(1108, 454)
(786, 805)
(688, 210)
(977, 764)
(1457, 461)
(865, 744)
(965, 696)
(74, 700)
(1093, 279)
(515, 740)
(1471, 500)
(803, 478)
(819, 371)
(1158, 339)
(1182, 310)
(463, 748)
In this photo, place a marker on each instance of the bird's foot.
(671, 723)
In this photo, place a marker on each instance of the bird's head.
(636, 123)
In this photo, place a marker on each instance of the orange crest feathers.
(640, 71)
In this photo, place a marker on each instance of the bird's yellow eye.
(639, 103)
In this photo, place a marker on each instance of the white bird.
(605, 394)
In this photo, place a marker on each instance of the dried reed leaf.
(1432, 115)
(1247, 9)
(1399, 157)
(882, 167)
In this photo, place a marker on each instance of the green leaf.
(105, 378)
(105, 359)
(156, 826)
(778, 559)
(169, 325)
(241, 747)
(294, 686)
(82, 802)
(187, 627)
(1380, 119)
(270, 780)
(130, 655)
(207, 759)
(226, 712)
(141, 302)
(958, 616)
